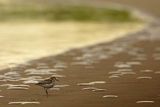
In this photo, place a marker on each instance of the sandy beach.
(124, 72)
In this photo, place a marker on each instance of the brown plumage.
(47, 83)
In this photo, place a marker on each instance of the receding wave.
(21, 42)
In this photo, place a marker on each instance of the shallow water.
(23, 42)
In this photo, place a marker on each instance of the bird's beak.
(56, 79)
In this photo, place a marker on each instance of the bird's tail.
(37, 83)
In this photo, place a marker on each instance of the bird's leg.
(46, 91)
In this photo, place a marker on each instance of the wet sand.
(123, 73)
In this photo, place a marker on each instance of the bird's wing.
(48, 85)
(47, 81)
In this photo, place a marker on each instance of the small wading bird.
(47, 83)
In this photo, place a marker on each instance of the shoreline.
(125, 70)
(122, 73)
(74, 31)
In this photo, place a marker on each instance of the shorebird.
(47, 83)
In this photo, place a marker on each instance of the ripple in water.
(91, 83)
(144, 77)
(94, 89)
(16, 87)
(40, 71)
(113, 76)
(98, 82)
(19, 85)
(89, 88)
(99, 90)
(30, 82)
(58, 76)
(31, 79)
(128, 73)
(54, 89)
(134, 63)
(1, 96)
(12, 73)
(42, 66)
(57, 87)
(122, 65)
(146, 71)
(124, 70)
(61, 86)
(138, 102)
(121, 72)
(23, 102)
(110, 96)
(10, 76)
(81, 63)
(113, 72)
(60, 65)
(84, 84)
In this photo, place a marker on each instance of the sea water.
(22, 42)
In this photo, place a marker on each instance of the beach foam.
(22, 42)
